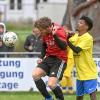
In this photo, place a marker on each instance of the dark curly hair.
(43, 23)
(88, 21)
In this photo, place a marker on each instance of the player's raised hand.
(70, 34)
(54, 30)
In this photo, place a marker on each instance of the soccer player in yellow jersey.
(67, 81)
(86, 69)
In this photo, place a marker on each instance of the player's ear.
(87, 27)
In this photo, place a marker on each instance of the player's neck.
(82, 32)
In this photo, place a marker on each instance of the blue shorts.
(85, 87)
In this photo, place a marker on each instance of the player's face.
(36, 31)
(81, 26)
(45, 31)
(1, 30)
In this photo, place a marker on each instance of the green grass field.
(35, 96)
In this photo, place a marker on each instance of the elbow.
(64, 46)
(77, 51)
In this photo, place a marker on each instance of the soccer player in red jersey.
(53, 57)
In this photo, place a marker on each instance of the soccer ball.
(10, 39)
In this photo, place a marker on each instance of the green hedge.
(19, 26)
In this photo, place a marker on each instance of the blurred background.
(19, 15)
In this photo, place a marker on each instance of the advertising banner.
(16, 74)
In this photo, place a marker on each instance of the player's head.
(85, 23)
(36, 31)
(44, 24)
(2, 28)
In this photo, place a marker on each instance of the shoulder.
(30, 36)
(60, 31)
(74, 38)
(88, 36)
(59, 27)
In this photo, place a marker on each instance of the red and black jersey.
(52, 47)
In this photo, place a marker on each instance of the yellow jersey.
(85, 66)
(70, 61)
(73, 39)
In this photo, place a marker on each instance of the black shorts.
(53, 66)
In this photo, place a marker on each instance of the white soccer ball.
(10, 39)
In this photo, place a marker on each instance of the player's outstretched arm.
(61, 44)
(74, 48)
(43, 51)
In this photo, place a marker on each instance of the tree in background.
(77, 8)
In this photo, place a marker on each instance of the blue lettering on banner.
(74, 73)
(97, 62)
(18, 75)
(99, 74)
(10, 63)
(9, 85)
(98, 84)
